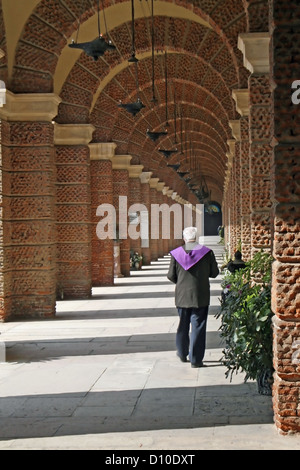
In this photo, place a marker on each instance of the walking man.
(190, 268)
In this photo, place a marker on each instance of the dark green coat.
(192, 286)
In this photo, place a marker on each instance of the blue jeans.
(192, 343)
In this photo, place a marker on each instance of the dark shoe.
(183, 359)
(198, 365)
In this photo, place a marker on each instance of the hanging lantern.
(97, 47)
(167, 153)
(132, 108)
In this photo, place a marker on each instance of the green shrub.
(246, 319)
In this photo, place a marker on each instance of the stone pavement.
(103, 375)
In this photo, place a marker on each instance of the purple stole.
(187, 260)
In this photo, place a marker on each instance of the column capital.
(255, 49)
(160, 186)
(135, 171)
(121, 162)
(102, 151)
(73, 134)
(236, 129)
(145, 176)
(153, 182)
(231, 144)
(241, 98)
(30, 107)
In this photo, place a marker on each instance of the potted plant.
(246, 322)
(136, 260)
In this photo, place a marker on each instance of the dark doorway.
(212, 218)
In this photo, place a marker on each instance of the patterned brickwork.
(245, 189)
(5, 275)
(121, 188)
(73, 221)
(260, 161)
(134, 198)
(145, 199)
(286, 214)
(28, 220)
(153, 241)
(102, 250)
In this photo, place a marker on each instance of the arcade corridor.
(160, 103)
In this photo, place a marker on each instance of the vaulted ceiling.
(195, 43)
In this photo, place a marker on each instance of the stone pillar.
(145, 200)
(28, 206)
(255, 48)
(120, 166)
(134, 172)
(286, 215)
(73, 210)
(153, 220)
(101, 155)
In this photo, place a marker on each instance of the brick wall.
(286, 215)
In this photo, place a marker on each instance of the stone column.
(134, 172)
(286, 214)
(28, 206)
(255, 48)
(145, 200)
(101, 155)
(120, 166)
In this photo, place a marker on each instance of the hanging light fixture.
(154, 100)
(133, 57)
(154, 136)
(182, 173)
(167, 153)
(135, 107)
(175, 166)
(98, 46)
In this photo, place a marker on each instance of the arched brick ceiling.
(204, 66)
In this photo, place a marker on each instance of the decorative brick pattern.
(102, 250)
(260, 161)
(121, 188)
(73, 221)
(286, 214)
(28, 205)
